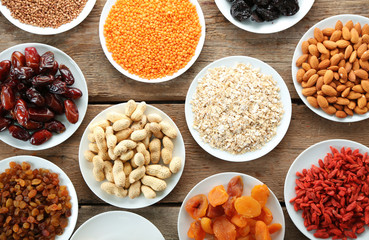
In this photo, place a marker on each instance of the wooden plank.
(223, 39)
(305, 130)
(165, 219)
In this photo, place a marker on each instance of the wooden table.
(107, 86)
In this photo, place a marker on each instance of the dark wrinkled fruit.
(55, 126)
(4, 123)
(23, 73)
(7, 97)
(54, 103)
(255, 17)
(33, 125)
(240, 10)
(40, 137)
(21, 112)
(18, 59)
(286, 7)
(58, 87)
(19, 133)
(71, 111)
(73, 93)
(268, 14)
(32, 58)
(261, 2)
(35, 97)
(66, 74)
(41, 114)
(4, 69)
(42, 80)
(55, 69)
(47, 61)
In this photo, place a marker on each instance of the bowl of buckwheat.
(238, 108)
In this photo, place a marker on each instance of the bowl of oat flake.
(238, 108)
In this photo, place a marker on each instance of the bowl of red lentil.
(46, 192)
(46, 17)
(152, 42)
(326, 190)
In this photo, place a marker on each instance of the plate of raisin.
(264, 16)
(43, 96)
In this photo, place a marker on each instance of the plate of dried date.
(44, 96)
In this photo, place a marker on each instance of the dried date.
(71, 111)
(54, 103)
(73, 93)
(4, 123)
(35, 97)
(4, 69)
(58, 87)
(42, 80)
(40, 137)
(41, 114)
(66, 75)
(7, 97)
(47, 61)
(32, 58)
(33, 125)
(21, 112)
(55, 126)
(18, 59)
(19, 133)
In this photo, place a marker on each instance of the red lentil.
(152, 39)
(334, 196)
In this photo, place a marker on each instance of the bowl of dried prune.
(43, 96)
(264, 16)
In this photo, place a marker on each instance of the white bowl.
(204, 187)
(81, 103)
(37, 162)
(328, 22)
(105, 12)
(117, 224)
(280, 24)
(139, 202)
(281, 129)
(49, 31)
(304, 161)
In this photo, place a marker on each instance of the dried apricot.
(239, 220)
(228, 207)
(261, 194)
(261, 231)
(214, 212)
(217, 196)
(275, 227)
(244, 231)
(197, 206)
(207, 225)
(235, 187)
(247, 206)
(196, 231)
(224, 229)
(266, 215)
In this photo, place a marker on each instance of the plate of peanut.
(330, 68)
(132, 155)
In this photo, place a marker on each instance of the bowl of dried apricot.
(330, 68)
(230, 205)
(152, 41)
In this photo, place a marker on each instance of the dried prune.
(54, 103)
(58, 87)
(261, 2)
(4, 123)
(35, 97)
(42, 80)
(47, 61)
(267, 14)
(286, 7)
(19, 133)
(21, 112)
(71, 111)
(73, 93)
(66, 74)
(240, 10)
(55, 126)
(7, 97)
(4, 69)
(41, 114)
(32, 58)
(40, 137)
(18, 59)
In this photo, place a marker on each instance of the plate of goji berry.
(44, 96)
(327, 192)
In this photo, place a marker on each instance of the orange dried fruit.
(224, 229)
(235, 187)
(244, 231)
(266, 215)
(197, 206)
(217, 196)
(196, 231)
(207, 225)
(239, 220)
(228, 207)
(261, 231)
(275, 227)
(214, 212)
(247, 206)
(260, 193)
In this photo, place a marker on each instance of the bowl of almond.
(330, 68)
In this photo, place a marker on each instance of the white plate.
(117, 225)
(280, 24)
(204, 187)
(281, 129)
(328, 22)
(37, 162)
(105, 12)
(49, 31)
(139, 202)
(308, 157)
(81, 103)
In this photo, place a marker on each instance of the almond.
(353, 57)
(330, 44)
(348, 51)
(308, 74)
(365, 56)
(360, 73)
(331, 99)
(336, 59)
(361, 110)
(360, 51)
(348, 67)
(342, 101)
(323, 71)
(326, 56)
(321, 48)
(333, 68)
(356, 65)
(328, 31)
(338, 107)
(309, 91)
(351, 105)
(328, 77)
(352, 76)
(342, 63)
(353, 95)
(319, 83)
(358, 88)
(361, 102)
(306, 66)
(349, 25)
(346, 34)
(365, 38)
(342, 72)
(314, 62)
(365, 85)
(301, 59)
(365, 29)
(339, 25)
(312, 41)
(312, 80)
(324, 64)
(341, 114)
(364, 65)
(342, 43)
(313, 102)
(336, 35)
(354, 36)
(305, 47)
(341, 88)
(335, 51)
(322, 101)
(313, 50)
(358, 28)
(358, 44)
(348, 111)
(336, 76)
(300, 74)
(329, 91)
(330, 110)
(349, 84)
(318, 35)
